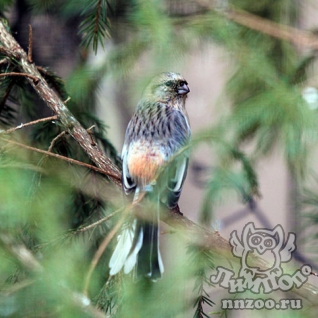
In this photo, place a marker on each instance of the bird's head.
(167, 86)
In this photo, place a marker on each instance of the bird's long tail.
(149, 262)
(138, 247)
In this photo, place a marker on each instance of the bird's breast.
(144, 161)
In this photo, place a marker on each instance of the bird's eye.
(169, 83)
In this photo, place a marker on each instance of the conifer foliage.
(61, 205)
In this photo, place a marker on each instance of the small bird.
(158, 130)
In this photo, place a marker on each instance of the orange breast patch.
(143, 165)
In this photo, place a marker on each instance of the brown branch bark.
(68, 121)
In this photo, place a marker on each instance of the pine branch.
(95, 24)
(12, 49)
(202, 261)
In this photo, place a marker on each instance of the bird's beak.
(183, 90)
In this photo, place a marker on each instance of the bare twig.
(30, 60)
(52, 145)
(4, 61)
(34, 78)
(89, 130)
(55, 140)
(70, 160)
(102, 220)
(41, 120)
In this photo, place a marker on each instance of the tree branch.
(110, 174)
(30, 59)
(276, 30)
(34, 78)
(12, 49)
(41, 120)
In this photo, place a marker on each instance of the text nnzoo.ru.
(261, 304)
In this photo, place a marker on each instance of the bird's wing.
(128, 183)
(177, 174)
(177, 170)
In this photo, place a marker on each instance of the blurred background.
(252, 71)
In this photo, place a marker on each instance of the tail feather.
(138, 245)
(122, 250)
(131, 259)
(149, 262)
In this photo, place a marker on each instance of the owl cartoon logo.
(268, 244)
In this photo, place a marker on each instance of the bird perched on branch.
(158, 130)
